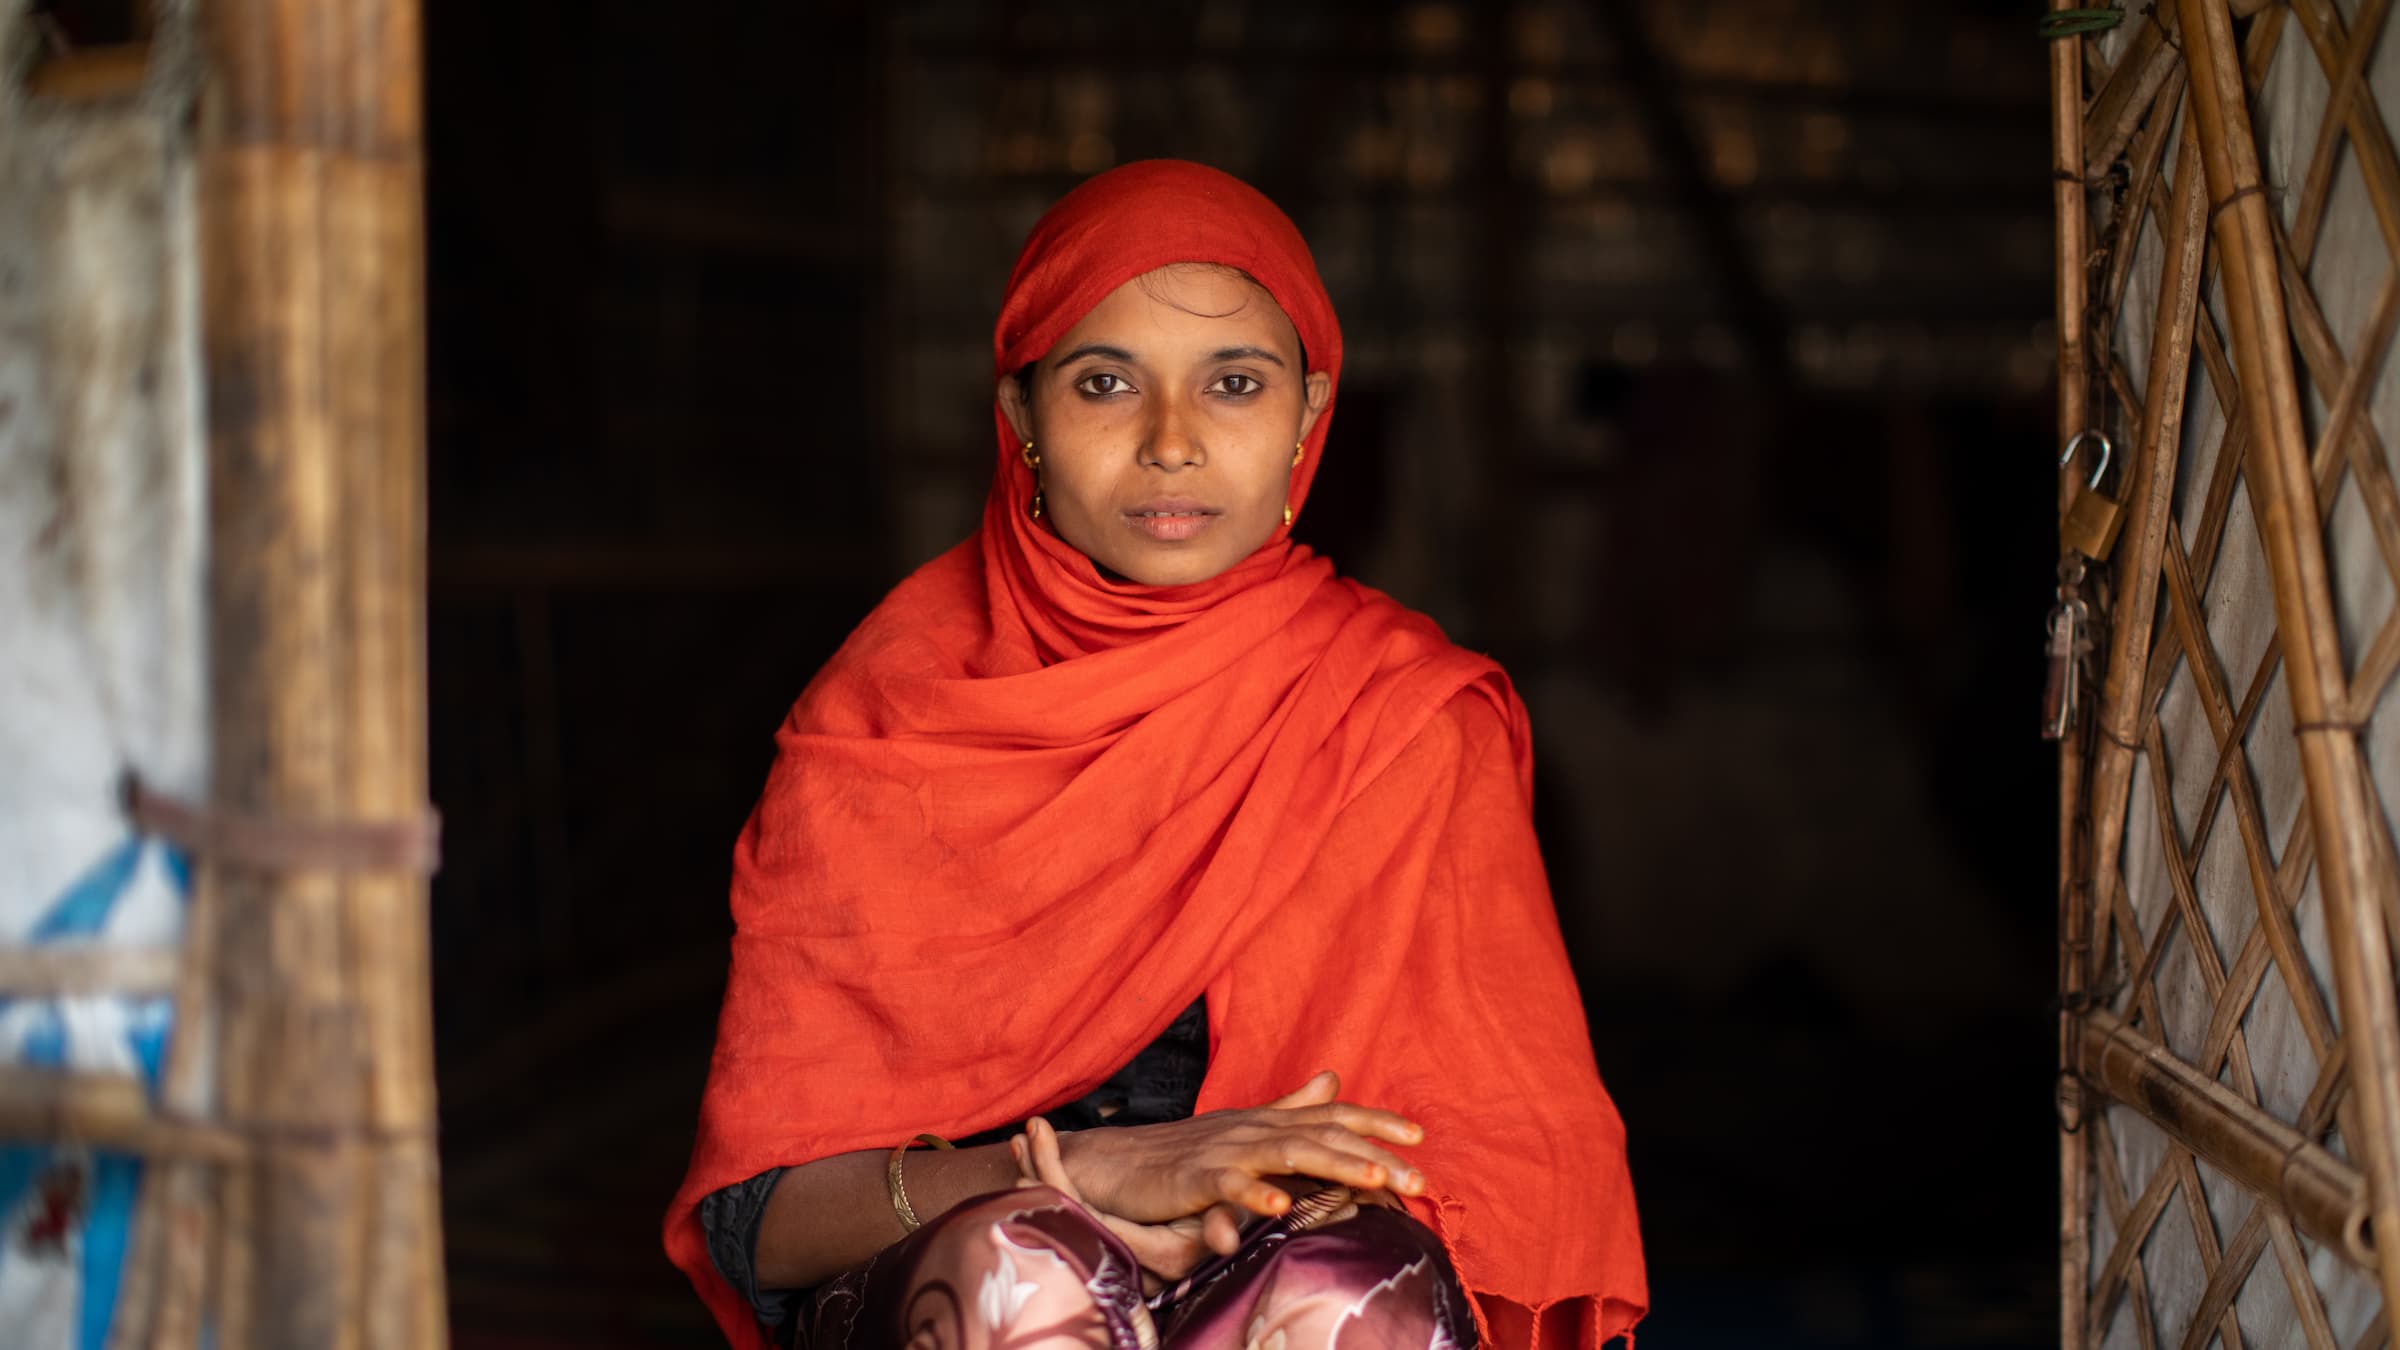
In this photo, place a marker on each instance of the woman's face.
(1165, 422)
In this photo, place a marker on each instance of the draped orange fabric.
(1026, 815)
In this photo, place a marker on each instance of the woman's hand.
(1165, 1251)
(1156, 1174)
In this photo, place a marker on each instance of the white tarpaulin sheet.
(101, 636)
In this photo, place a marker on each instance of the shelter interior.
(1700, 371)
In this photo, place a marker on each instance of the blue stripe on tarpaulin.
(149, 1037)
(83, 911)
(107, 1225)
(19, 1165)
(113, 1181)
(116, 1185)
(45, 1046)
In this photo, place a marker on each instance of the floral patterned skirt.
(1025, 1268)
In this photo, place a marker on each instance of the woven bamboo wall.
(2230, 216)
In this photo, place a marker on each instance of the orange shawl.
(1026, 815)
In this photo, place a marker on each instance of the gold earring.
(1299, 449)
(1037, 504)
(1032, 460)
(1287, 515)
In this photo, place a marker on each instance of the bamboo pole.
(103, 1111)
(2150, 499)
(2325, 1196)
(2066, 171)
(79, 968)
(176, 1228)
(2285, 492)
(2133, 84)
(312, 252)
(2146, 164)
(2074, 1166)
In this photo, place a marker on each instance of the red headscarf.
(1027, 815)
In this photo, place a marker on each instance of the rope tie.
(2067, 23)
(2109, 735)
(269, 845)
(2070, 1118)
(2283, 1189)
(2236, 195)
(2168, 37)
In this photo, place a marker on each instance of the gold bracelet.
(891, 1179)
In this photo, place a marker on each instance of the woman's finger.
(1155, 1247)
(1304, 1155)
(1165, 1250)
(1317, 1091)
(1401, 1177)
(1242, 1187)
(1049, 1164)
(1023, 1156)
(1221, 1229)
(1389, 1126)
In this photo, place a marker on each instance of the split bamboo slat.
(2229, 290)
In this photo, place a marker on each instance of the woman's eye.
(1102, 384)
(1239, 385)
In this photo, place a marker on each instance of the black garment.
(729, 1219)
(1161, 1083)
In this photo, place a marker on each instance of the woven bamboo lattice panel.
(2231, 206)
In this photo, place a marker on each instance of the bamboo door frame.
(2218, 221)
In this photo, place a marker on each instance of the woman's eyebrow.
(1095, 351)
(1246, 354)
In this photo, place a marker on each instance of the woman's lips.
(1172, 521)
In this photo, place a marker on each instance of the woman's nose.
(1173, 442)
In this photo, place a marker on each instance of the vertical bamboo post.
(312, 249)
(2066, 171)
(2149, 503)
(2340, 813)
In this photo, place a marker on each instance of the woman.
(1188, 887)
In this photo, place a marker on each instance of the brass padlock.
(2093, 518)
